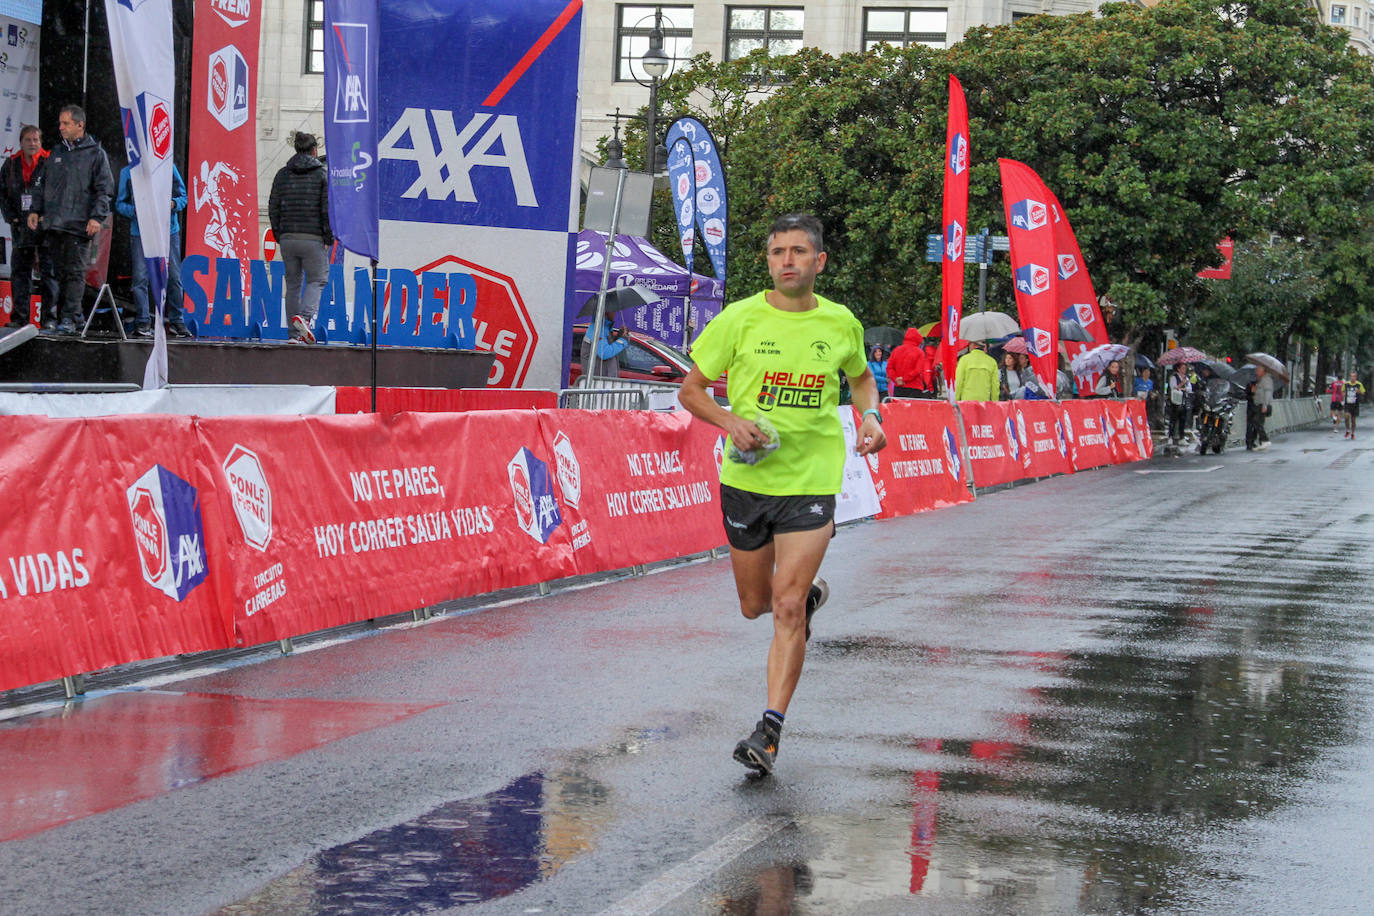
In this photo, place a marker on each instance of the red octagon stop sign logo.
(149, 534)
(503, 323)
(160, 131)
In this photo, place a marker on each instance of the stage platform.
(65, 360)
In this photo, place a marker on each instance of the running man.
(1336, 406)
(1350, 393)
(783, 349)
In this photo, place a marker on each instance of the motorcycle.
(1214, 418)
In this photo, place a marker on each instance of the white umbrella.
(1269, 362)
(1096, 359)
(987, 326)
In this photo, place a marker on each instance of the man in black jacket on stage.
(71, 204)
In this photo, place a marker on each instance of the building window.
(314, 37)
(1338, 15)
(776, 29)
(632, 27)
(902, 28)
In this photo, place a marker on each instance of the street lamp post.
(656, 63)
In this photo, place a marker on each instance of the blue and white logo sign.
(953, 464)
(954, 241)
(496, 147)
(1068, 266)
(536, 509)
(1083, 311)
(1029, 214)
(352, 88)
(958, 154)
(168, 534)
(227, 87)
(1032, 279)
(1038, 341)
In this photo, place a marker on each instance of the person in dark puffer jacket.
(20, 178)
(71, 204)
(298, 209)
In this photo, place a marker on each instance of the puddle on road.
(467, 851)
(1101, 795)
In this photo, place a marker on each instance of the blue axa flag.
(350, 123)
(692, 156)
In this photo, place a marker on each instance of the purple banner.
(350, 123)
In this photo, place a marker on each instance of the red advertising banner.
(1086, 429)
(1130, 430)
(994, 448)
(1227, 248)
(222, 179)
(348, 517)
(1077, 299)
(1034, 265)
(1044, 444)
(647, 491)
(110, 557)
(956, 227)
(921, 468)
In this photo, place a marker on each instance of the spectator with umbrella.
(1111, 384)
(1259, 396)
(1180, 401)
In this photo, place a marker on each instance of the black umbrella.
(883, 337)
(1070, 329)
(621, 298)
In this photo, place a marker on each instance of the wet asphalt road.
(1133, 690)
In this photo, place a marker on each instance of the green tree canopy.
(1162, 130)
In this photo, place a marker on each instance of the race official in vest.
(71, 204)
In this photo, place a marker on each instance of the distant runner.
(1351, 392)
(783, 349)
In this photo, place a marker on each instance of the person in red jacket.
(908, 368)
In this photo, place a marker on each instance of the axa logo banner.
(1039, 341)
(1068, 266)
(496, 147)
(953, 463)
(350, 124)
(958, 154)
(1032, 279)
(954, 241)
(227, 87)
(168, 536)
(531, 484)
(1029, 214)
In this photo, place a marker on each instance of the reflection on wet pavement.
(1181, 719)
(462, 852)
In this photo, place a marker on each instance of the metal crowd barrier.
(604, 398)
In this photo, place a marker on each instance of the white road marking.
(1215, 467)
(675, 882)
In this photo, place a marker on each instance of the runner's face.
(31, 144)
(793, 262)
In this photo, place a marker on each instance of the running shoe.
(819, 594)
(759, 750)
(300, 329)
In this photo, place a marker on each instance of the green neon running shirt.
(783, 365)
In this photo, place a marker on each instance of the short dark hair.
(305, 142)
(30, 129)
(803, 221)
(75, 112)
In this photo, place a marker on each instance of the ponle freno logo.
(1029, 214)
(160, 131)
(251, 496)
(569, 471)
(536, 509)
(234, 12)
(958, 154)
(1032, 279)
(227, 87)
(1068, 266)
(164, 511)
(953, 464)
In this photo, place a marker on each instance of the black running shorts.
(1353, 409)
(751, 519)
